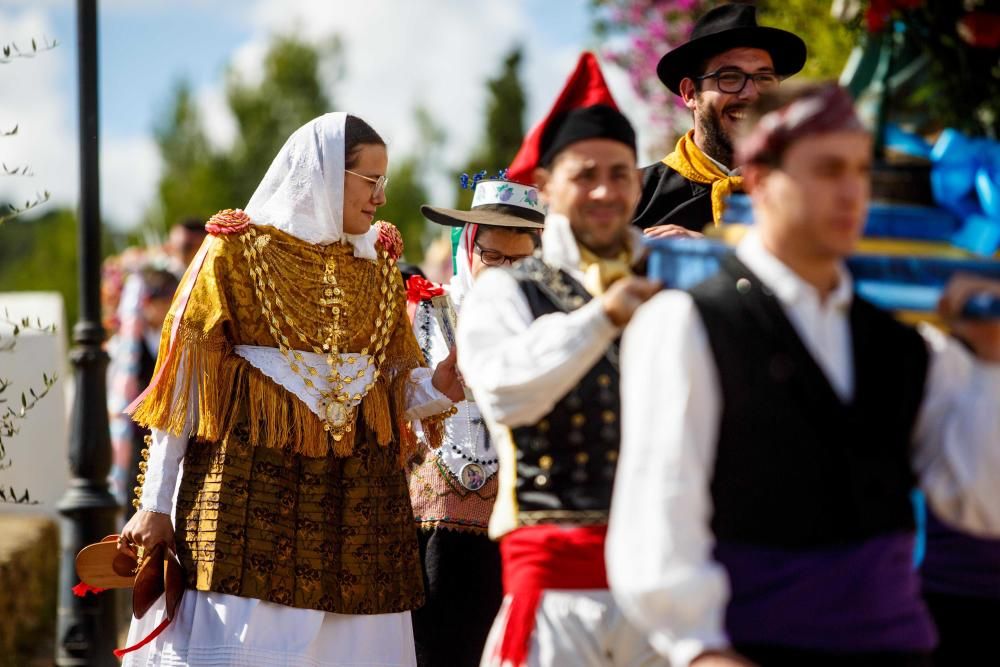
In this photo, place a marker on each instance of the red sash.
(537, 558)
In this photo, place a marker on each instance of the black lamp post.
(87, 628)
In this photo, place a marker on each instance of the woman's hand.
(447, 379)
(147, 529)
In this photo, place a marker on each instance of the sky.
(398, 54)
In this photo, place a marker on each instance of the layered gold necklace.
(301, 271)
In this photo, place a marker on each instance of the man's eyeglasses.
(733, 81)
(378, 184)
(492, 257)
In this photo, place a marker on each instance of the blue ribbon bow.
(965, 180)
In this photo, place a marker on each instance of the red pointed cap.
(586, 87)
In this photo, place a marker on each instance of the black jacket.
(670, 199)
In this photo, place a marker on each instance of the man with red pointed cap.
(537, 345)
(762, 512)
(726, 64)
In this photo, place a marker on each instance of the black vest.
(566, 462)
(670, 199)
(796, 467)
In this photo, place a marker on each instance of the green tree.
(404, 197)
(198, 180)
(828, 40)
(407, 185)
(289, 95)
(504, 130)
(193, 178)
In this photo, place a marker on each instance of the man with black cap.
(762, 514)
(726, 64)
(538, 347)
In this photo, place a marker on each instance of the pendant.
(472, 476)
(336, 414)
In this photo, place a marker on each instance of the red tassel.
(81, 589)
(119, 652)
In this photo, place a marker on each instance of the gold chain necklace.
(338, 406)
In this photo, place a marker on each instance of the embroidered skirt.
(326, 533)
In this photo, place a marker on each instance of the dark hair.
(160, 283)
(193, 224)
(358, 133)
(536, 237)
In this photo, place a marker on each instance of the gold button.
(543, 426)
(545, 462)
(604, 380)
(582, 458)
(578, 420)
(612, 455)
(609, 416)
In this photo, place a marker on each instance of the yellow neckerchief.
(690, 162)
(599, 273)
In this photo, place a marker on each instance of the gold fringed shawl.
(203, 381)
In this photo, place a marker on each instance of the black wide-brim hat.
(729, 27)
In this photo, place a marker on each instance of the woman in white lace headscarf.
(281, 406)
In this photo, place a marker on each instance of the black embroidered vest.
(566, 462)
(796, 467)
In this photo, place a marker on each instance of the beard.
(718, 143)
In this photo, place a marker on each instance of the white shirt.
(519, 367)
(659, 548)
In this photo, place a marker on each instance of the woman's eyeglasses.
(492, 257)
(378, 184)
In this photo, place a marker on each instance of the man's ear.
(542, 177)
(753, 174)
(688, 93)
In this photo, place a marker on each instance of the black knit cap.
(594, 122)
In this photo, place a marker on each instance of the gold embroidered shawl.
(203, 380)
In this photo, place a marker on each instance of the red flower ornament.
(229, 221)
(420, 289)
(390, 239)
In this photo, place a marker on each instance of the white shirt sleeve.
(165, 454)
(517, 366)
(957, 437)
(659, 550)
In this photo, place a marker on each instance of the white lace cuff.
(423, 399)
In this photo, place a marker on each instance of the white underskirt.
(218, 630)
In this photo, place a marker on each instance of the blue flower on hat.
(531, 197)
(505, 192)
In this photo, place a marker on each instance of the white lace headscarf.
(302, 193)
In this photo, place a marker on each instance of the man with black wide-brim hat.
(727, 62)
